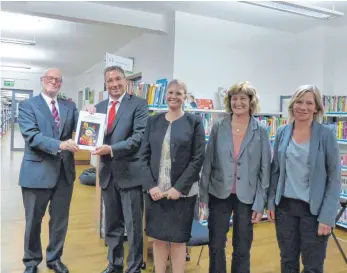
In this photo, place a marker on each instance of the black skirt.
(170, 220)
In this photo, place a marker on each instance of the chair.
(200, 237)
(343, 203)
(199, 234)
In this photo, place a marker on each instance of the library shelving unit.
(338, 121)
(155, 96)
(270, 120)
(335, 108)
(5, 118)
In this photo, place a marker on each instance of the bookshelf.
(336, 116)
(5, 118)
(155, 96)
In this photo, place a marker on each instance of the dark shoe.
(58, 267)
(111, 270)
(30, 269)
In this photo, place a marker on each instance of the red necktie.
(111, 115)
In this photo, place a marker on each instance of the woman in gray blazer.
(305, 184)
(235, 178)
(172, 150)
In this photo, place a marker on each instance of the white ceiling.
(236, 11)
(73, 47)
(76, 46)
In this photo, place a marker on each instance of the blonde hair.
(246, 88)
(180, 84)
(300, 92)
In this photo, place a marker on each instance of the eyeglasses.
(53, 79)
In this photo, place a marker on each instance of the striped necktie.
(55, 114)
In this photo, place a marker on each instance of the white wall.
(31, 81)
(336, 61)
(153, 54)
(275, 62)
(208, 53)
(231, 54)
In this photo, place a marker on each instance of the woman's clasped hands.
(157, 194)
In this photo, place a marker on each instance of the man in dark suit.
(119, 165)
(48, 170)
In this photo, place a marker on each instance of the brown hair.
(114, 68)
(246, 88)
(301, 91)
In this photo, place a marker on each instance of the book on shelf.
(339, 127)
(205, 103)
(155, 96)
(343, 219)
(335, 103)
(272, 124)
(344, 160)
(153, 93)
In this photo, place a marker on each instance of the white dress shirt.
(117, 105)
(108, 110)
(48, 100)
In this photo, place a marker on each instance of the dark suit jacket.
(187, 151)
(42, 160)
(125, 141)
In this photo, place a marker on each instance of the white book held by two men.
(90, 130)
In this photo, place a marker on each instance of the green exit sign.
(9, 83)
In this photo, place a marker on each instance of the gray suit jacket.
(42, 159)
(325, 171)
(125, 141)
(253, 166)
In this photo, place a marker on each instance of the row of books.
(153, 93)
(340, 128)
(335, 103)
(272, 123)
(5, 118)
(342, 222)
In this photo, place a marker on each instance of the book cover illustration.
(88, 134)
(90, 130)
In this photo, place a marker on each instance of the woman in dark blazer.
(235, 178)
(305, 184)
(172, 151)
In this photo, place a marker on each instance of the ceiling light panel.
(17, 41)
(21, 52)
(14, 22)
(14, 66)
(299, 9)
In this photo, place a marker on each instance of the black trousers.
(35, 204)
(124, 209)
(296, 230)
(218, 224)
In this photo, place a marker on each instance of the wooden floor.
(85, 252)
